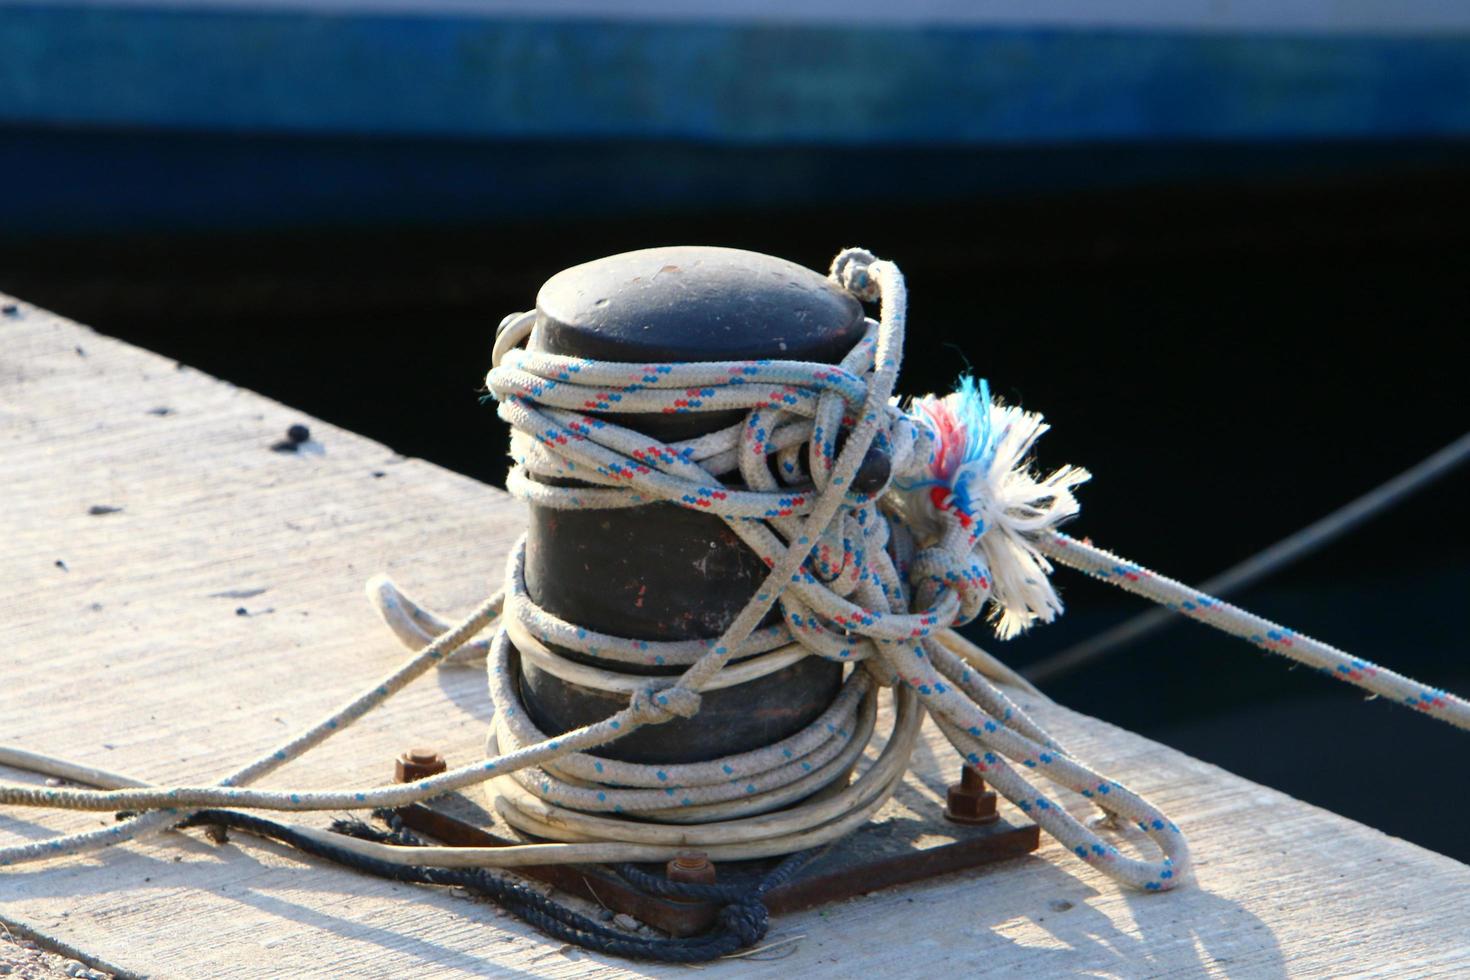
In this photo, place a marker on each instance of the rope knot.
(656, 705)
(982, 505)
(747, 919)
(850, 271)
(943, 566)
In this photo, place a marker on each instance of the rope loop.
(850, 270)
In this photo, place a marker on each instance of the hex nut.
(418, 763)
(694, 868)
(968, 801)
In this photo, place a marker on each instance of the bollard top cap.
(695, 303)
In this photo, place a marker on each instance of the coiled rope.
(876, 579)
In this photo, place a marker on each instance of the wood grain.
(130, 653)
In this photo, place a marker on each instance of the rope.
(872, 577)
(155, 822)
(1269, 636)
(741, 922)
(1295, 546)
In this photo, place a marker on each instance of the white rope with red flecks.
(877, 580)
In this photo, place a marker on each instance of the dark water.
(1231, 362)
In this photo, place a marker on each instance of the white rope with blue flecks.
(876, 580)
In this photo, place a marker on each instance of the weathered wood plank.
(131, 654)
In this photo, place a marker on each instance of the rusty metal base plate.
(899, 846)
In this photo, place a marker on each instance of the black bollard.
(663, 572)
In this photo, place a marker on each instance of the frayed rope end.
(980, 475)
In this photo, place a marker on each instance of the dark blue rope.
(741, 923)
(725, 891)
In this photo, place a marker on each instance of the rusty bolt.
(693, 868)
(969, 801)
(418, 763)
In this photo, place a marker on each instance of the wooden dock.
(175, 597)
